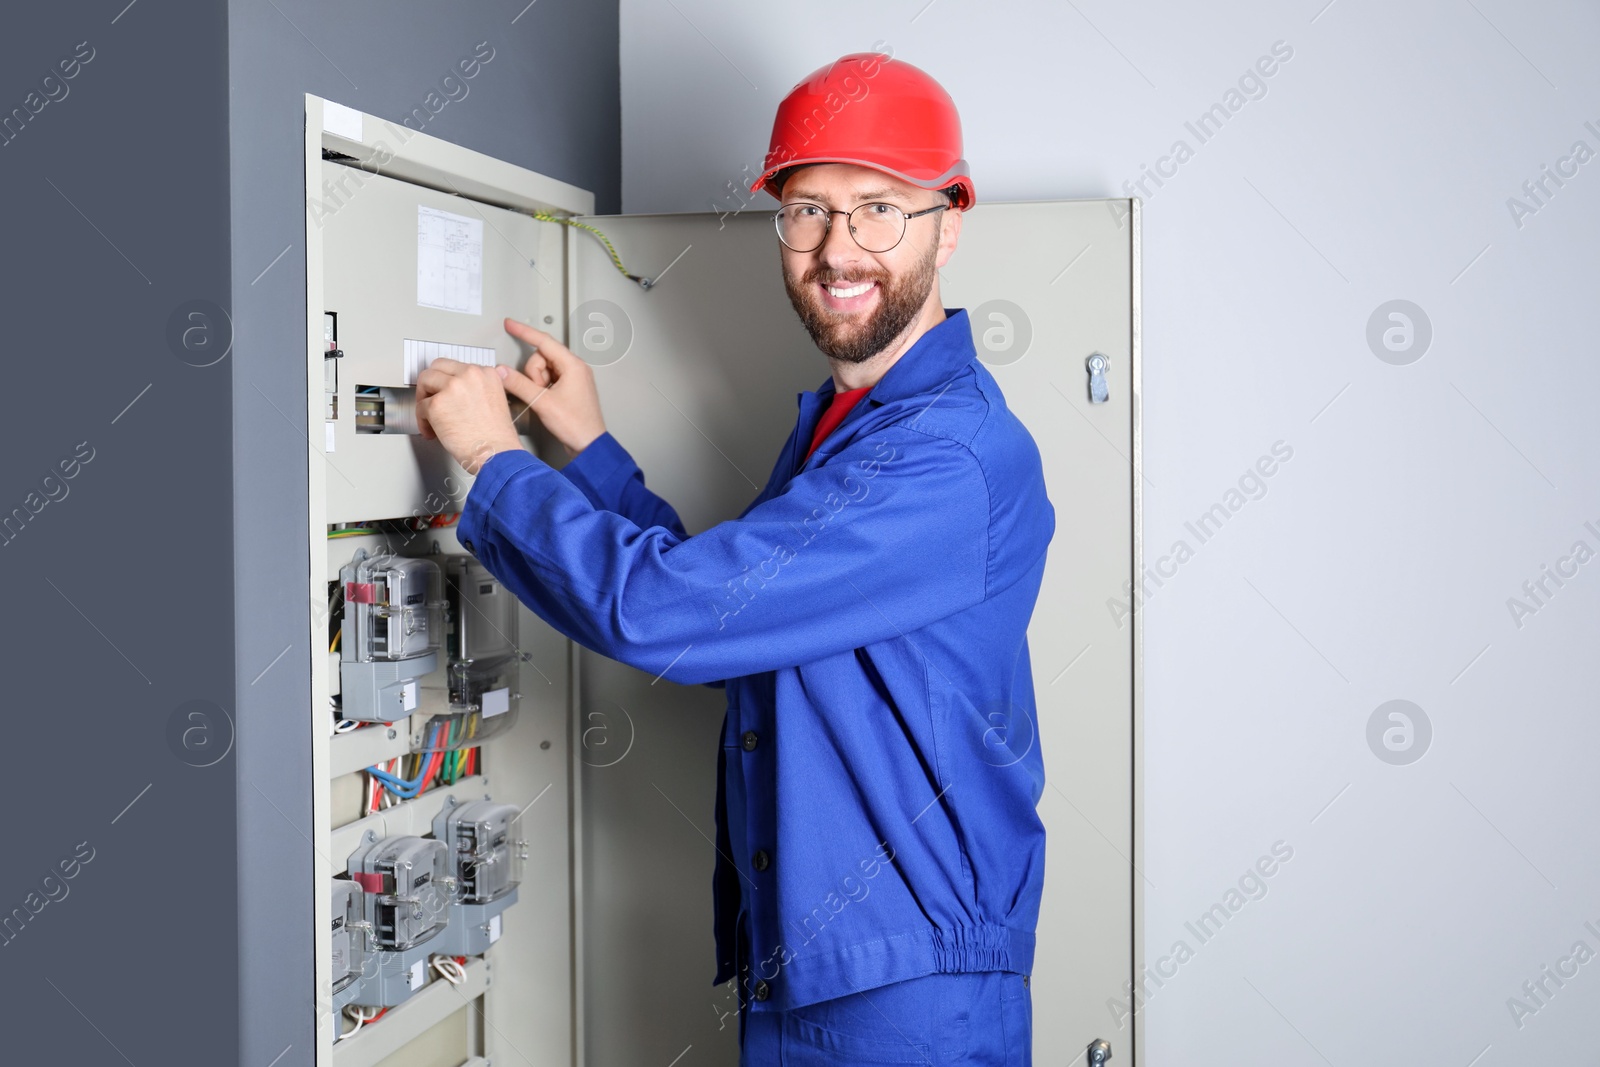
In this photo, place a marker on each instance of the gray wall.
(547, 100)
(1376, 563)
(118, 611)
(162, 182)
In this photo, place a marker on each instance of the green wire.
(450, 757)
(545, 216)
(460, 754)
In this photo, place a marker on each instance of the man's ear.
(949, 232)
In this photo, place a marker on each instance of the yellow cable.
(545, 216)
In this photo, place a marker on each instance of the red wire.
(434, 761)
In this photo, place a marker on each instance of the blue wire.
(397, 788)
(400, 787)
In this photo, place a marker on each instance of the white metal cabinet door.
(698, 377)
(699, 384)
(1046, 284)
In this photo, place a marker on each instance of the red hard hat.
(873, 111)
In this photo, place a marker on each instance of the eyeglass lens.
(876, 227)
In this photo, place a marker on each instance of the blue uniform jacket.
(866, 616)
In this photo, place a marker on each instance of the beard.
(850, 338)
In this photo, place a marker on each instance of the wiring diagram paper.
(449, 261)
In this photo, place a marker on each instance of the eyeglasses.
(876, 226)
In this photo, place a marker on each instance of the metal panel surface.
(703, 395)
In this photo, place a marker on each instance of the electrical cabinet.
(585, 936)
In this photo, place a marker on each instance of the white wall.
(1418, 499)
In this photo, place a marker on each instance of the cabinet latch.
(1098, 366)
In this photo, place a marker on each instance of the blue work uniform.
(866, 615)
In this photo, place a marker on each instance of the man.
(880, 856)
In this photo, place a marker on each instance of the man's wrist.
(584, 442)
(487, 451)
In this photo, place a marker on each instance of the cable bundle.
(443, 760)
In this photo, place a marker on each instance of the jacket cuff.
(601, 471)
(473, 526)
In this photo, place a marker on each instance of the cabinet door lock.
(1098, 365)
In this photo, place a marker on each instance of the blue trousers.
(981, 1019)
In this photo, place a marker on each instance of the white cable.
(359, 1014)
(448, 969)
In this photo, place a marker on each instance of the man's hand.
(463, 407)
(559, 388)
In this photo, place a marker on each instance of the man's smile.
(847, 297)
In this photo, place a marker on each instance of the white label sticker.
(417, 975)
(419, 354)
(341, 120)
(408, 696)
(496, 701)
(327, 445)
(494, 929)
(449, 261)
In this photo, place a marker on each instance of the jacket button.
(751, 738)
(763, 991)
(467, 544)
(759, 861)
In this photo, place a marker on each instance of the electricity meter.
(486, 846)
(483, 840)
(389, 635)
(409, 882)
(481, 638)
(393, 604)
(350, 952)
